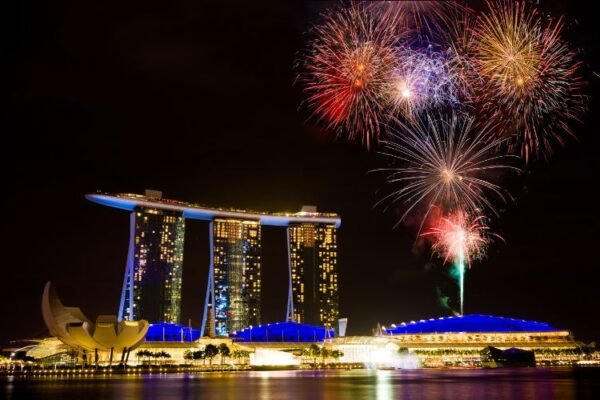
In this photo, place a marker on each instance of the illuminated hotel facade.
(314, 278)
(237, 279)
(153, 276)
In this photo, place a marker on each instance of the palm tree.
(336, 354)
(305, 353)
(224, 351)
(239, 354)
(325, 354)
(198, 355)
(188, 355)
(314, 351)
(210, 351)
(144, 354)
(245, 356)
(162, 354)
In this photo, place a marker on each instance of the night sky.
(198, 100)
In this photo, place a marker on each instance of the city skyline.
(161, 101)
(300, 199)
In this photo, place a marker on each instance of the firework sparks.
(422, 80)
(443, 162)
(510, 49)
(530, 77)
(461, 239)
(421, 18)
(348, 70)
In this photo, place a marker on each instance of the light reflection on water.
(517, 384)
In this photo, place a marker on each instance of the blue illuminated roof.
(469, 324)
(171, 333)
(283, 332)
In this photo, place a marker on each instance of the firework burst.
(531, 84)
(443, 162)
(459, 237)
(348, 69)
(422, 80)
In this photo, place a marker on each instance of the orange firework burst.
(348, 71)
(510, 51)
(529, 76)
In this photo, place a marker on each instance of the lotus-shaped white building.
(74, 329)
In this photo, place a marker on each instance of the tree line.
(321, 355)
(211, 351)
(156, 355)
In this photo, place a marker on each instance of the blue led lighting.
(283, 332)
(469, 324)
(111, 201)
(171, 333)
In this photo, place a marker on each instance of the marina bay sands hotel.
(153, 273)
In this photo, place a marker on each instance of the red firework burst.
(459, 237)
(348, 71)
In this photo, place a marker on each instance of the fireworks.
(420, 18)
(422, 80)
(443, 162)
(390, 70)
(459, 237)
(348, 70)
(368, 62)
(510, 49)
(529, 75)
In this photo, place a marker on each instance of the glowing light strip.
(207, 214)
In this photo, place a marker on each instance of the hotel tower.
(314, 277)
(236, 274)
(153, 275)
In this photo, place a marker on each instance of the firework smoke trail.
(347, 71)
(443, 162)
(422, 80)
(461, 271)
(460, 239)
(530, 82)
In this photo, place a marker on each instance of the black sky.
(197, 100)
